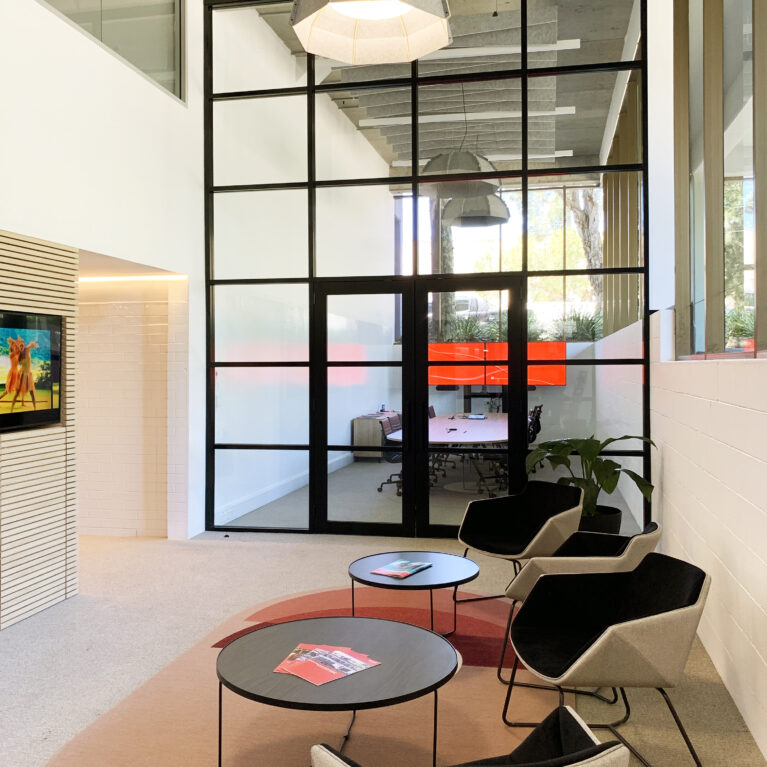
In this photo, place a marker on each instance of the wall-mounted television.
(30, 370)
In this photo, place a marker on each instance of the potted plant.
(597, 473)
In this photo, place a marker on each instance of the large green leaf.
(588, 448)
(606, 473)
(644, 486)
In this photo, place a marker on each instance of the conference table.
(459, 430)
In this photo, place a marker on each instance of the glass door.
(362, 384)
(472, 395)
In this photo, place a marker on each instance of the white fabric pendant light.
(371, 31)
(460, 161)
(476, 211)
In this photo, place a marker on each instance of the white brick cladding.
(132, 411)
(709, 420)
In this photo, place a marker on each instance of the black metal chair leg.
(505, 644)
(504, 715)
(680, 726)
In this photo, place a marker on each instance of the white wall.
(619, 393)
(97, 156)
(122, 408)
(709, 419)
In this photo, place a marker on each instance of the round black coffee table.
(413, 662)
(447, 570)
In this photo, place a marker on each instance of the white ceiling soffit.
(98, 265)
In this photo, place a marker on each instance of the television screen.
(30, 369)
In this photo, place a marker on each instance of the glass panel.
(566, 34)
(739, 237)
(465, 317)
(604, 400)
(546, 229)
(243, 38)
(470, 127)
(261, 323)
(147, 34)
(352, 483)
(473, 238)
(359, 231)
(358, 399)
(262, 406)
(262, 488)
(362, 327)
(569, 120)
(603, 224)
(697, 178)
(327, 71)
(363, 133)
(252, 239)
(598, 316)
(259, 141)
(483, 41)
(456, 479)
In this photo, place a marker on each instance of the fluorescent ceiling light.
(454, 117)
(503, 50)
(496, 158)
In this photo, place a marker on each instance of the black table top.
(413, 662)
(446, 570)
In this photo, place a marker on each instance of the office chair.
(562, 739)
(396, 477)
(620, 629)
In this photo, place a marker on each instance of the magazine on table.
(401, 568)
(319, 663)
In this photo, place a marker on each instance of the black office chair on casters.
(395, 478)
(619, 629)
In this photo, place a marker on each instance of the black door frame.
(516, 448)
(318, 387)
(415, 395)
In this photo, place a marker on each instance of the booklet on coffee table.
(401, 568)
(319, 664)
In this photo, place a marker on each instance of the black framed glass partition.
(402, 258)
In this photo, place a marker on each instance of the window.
(147, 33)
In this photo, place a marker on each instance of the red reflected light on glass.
(347, 352)
(347, 376)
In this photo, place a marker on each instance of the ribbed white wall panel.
(38, 503)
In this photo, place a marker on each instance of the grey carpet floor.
(143, 601)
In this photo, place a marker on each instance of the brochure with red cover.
(401, 568)
(319, 664)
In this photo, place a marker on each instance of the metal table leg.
(352, 580)
(220, 686)
(434, 744)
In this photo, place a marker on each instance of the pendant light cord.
(465, 119)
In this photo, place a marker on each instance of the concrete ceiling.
(568, 114)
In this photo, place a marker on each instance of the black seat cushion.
(565, 614)
(559, 740)
(506, 525)
(583, 544)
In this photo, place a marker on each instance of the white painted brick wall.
(122, 413)
(709, 419)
